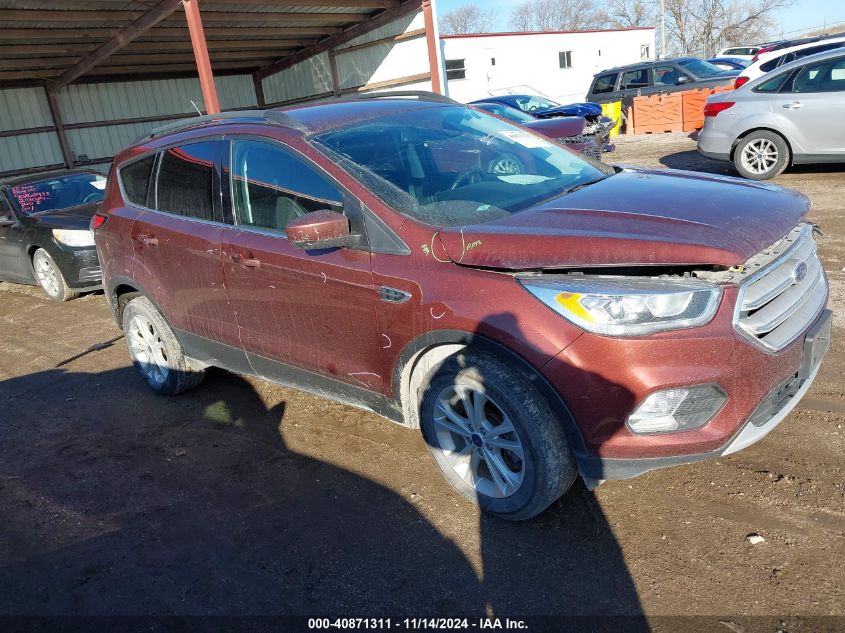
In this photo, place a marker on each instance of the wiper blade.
(584, 184)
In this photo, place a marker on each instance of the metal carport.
(82, 78)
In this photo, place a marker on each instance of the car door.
(812, 108)
(633, 83)
(668, 78)
(14, 263)
(177, 244)
(313, 310)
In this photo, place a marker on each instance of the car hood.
(78, 217)
(635, 217)
(573, 109)
(558, 127)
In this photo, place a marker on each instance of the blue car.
(542, 108)
(729, 63)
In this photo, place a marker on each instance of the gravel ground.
(244, 498)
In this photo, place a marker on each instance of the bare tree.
(555, 15)
(623, 14)
(467, 18)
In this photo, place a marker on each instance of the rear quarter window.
(135, 178)
(605, 83)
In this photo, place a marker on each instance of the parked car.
(576, 318)
(44, 235)
(568, 130)
(793, 115)
(653, 77)
(742, 52)
(542, 108)
(729, 63)
(772, 59)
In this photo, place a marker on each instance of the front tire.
(155, 350)
(494, 437)
(761, 155)
(50, 278)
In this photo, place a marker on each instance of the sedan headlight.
(627, 307)
(73, 237)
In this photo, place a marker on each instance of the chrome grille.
(782, 299)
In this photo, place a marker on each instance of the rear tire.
(50, 278)
(761, 155)
(155, 351)
(494, 437)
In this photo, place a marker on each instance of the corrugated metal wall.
(22, 108)
(374, 64)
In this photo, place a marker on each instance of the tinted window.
(771, 64)
(826, 76)
(135, 178)
(605, 83)
(667, 76)
(60, 192)
(699, 67)
(185, 183)
(634, 79)
(772, 85)
(271, 186)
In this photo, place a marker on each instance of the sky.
(804, 15)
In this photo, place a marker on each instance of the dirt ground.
(244, 498)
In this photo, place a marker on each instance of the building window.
(492, 61)
(455, 69)
(645, 51)
(565, 59)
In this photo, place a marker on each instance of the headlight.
(627, 307)
(70, 237)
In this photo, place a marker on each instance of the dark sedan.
(568, 130)
(44, 231)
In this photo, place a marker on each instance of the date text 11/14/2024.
(416, 624)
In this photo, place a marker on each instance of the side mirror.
(683, 79)
(319, 229)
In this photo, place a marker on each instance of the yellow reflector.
(570, 301)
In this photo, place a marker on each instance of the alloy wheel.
(47, 276)
(148, 350)
(506, 165)
(479, 441)
(759, 156)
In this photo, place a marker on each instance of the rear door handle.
(148, 240)
(795, 105)
(245, 262)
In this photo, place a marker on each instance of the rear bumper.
(771, 411)
(714, 143)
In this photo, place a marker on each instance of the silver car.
(793, 115)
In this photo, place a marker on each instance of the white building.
(558, 65)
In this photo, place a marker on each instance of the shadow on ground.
(694, 161)
(116, 501)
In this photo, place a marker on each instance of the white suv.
(771, 60)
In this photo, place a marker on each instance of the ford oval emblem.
(800, 272)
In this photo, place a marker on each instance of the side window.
(185, 184)
(634, 79)
(272, 186)
(771, 64)
(826, 76)
(605, 83)
(774, 84)
(135, 178)
(667, 75)
(564, 58)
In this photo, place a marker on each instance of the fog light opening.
(677, 409)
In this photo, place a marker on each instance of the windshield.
(700, 68)
(506, 111)
(535, 104)
(61, 192)
(451, 166)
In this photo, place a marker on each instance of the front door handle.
(245, 262)
(795, 105)
(148, 240)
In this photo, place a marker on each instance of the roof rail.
(269, 116)
(422, 95)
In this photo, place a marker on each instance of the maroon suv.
(572, 318)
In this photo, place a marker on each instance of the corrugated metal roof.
(100, 142)
(306, 79)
